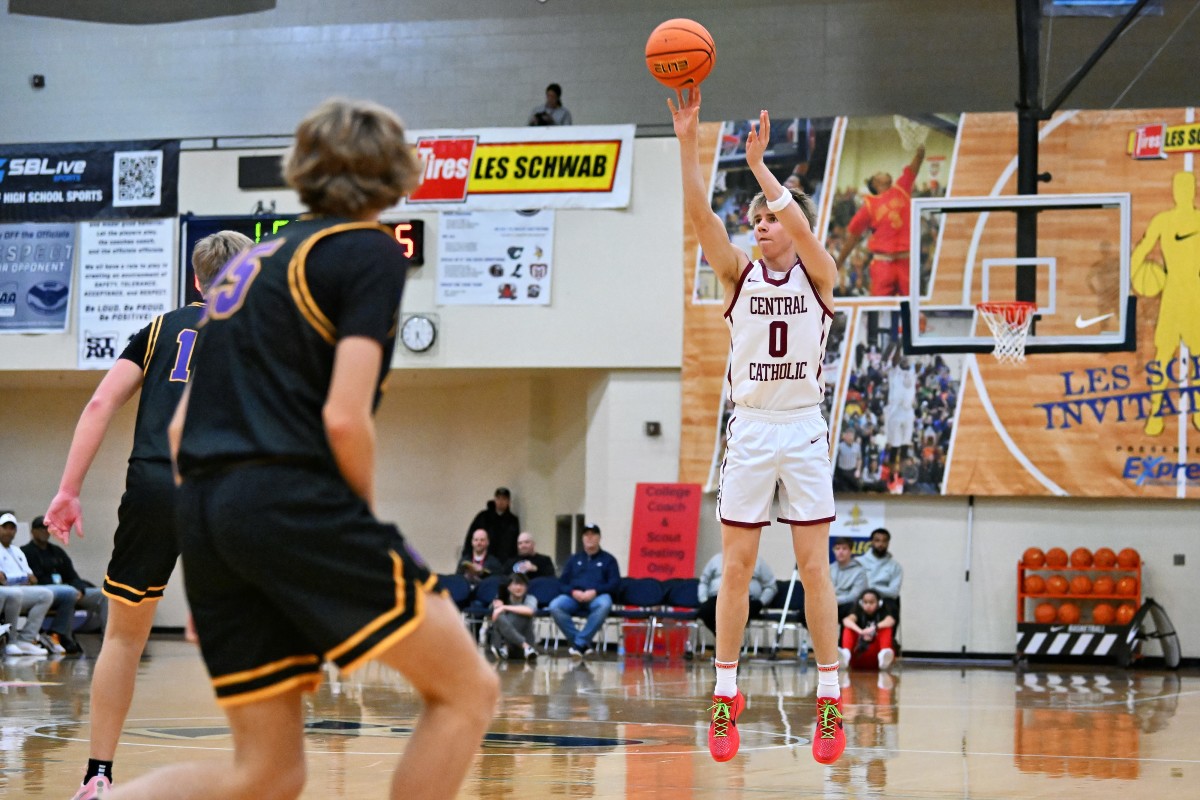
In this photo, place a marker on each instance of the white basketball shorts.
(899, 424)
(765, 449)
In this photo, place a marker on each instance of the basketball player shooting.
(778, 310)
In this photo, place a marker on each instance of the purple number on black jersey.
(231, 286)
(183, 355)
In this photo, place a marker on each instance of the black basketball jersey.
(163, 350)
(265, 352)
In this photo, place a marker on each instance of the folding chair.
(682, 603)
(784, 613)
(545, 589)
(639, 602)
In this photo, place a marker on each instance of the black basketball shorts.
(146, 545)
(287, 568)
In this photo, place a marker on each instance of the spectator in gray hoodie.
(883, 571)
(849, 577)
(762, 590)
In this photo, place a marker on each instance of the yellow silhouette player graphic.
(1177, 279)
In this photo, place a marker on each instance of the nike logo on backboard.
(1181, 237)
(1080, 322)
(1056, 628)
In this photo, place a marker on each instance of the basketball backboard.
(1078, 274)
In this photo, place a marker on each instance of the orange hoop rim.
(1016, 311)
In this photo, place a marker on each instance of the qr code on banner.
(137, 178)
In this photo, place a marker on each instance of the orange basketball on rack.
(1034, 558)
(1068, 613)
(1128, 558)
(1081, 558)
(1105, 557)
(1056, 557)
(1081, 584)
(1127, 587)
(1125, 613)
(1103, 614)
(1034, 584)
(1057, 584)
(1045, 613)
(1104, 585)
(680, 53)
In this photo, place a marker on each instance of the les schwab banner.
(575, 166)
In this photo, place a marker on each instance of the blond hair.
(213, 252)
(350, 159)
(805, 202)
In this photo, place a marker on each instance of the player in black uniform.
(145, 547)
(287, 566)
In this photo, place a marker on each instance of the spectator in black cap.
(54, 569)
(502, 526)
(590, 579)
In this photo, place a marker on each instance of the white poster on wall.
(35, 276)
(495, 258)
(857, 518)
(125, 281)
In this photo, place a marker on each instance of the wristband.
(781, 202)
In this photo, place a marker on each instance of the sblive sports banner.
(575, 166)
(88, 180)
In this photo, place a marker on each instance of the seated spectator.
(53, 569)
(762, 590)
(867, 634)
(19, 595)
(479, 563)
(552, 112)
(589, 577)
(528, 561)
(512, 621)
(501, 524)
(884, 573)
(873, 479)
(849, 577)
(847, 470)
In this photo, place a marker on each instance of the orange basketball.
(1128, 558)
(1034, 558)
(1034, 584)
(1081, 558)
(1125, 613)
(680, 53)
(1057, 584)
(1127, 586)
(1068, 613)
(1105, 557)
(1081, 584)
(1104, 585)
(1103, 614)
(1056, 557)
(1045, 613)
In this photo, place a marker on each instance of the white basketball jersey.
(777, 331)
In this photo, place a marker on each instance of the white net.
(1009, 323)
(912, 133)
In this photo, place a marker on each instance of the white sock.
(726, 679)
(827, 680)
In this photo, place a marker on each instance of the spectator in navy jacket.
(590, 577)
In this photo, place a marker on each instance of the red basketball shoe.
(829, 739)
(723, 738)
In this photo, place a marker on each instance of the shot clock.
(410, 233)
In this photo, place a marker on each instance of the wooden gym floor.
(631, 728)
